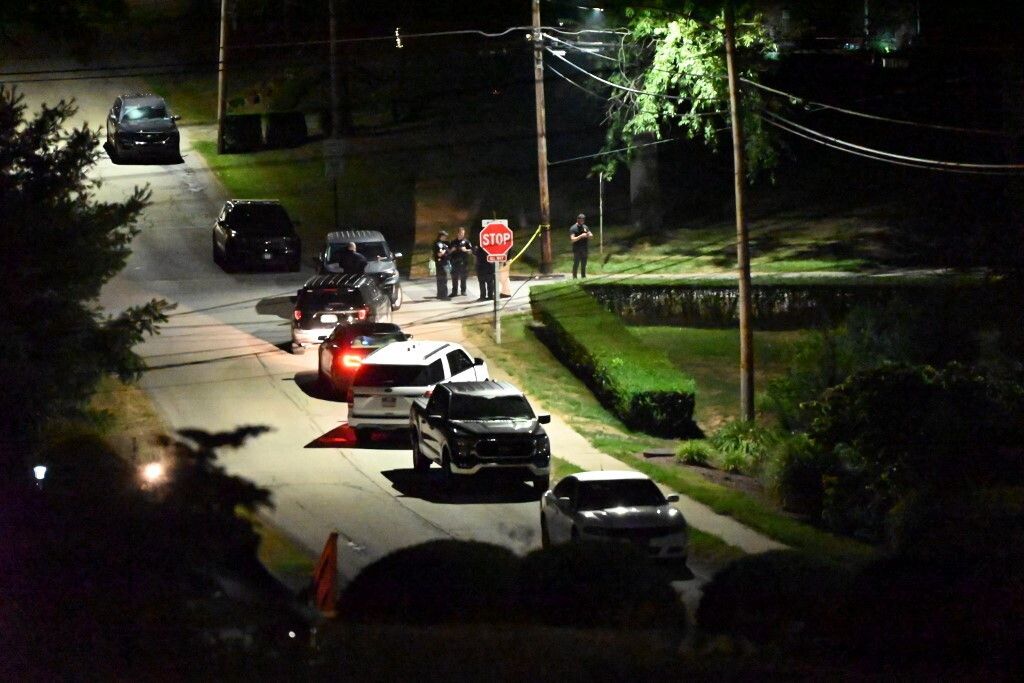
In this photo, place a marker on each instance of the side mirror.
(175, 117)
(478, 361)
(672, 498)
(544, 419)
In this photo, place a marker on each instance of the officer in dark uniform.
(484, 273)
(443, 266)
(352, 261)
(458, 255)
(579, 235)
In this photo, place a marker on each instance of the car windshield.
(376, 340)
(322, 298)
(371, 250)
(260, 219)
(475, 407)
(601, 495)
(145, 112)
(379, 375)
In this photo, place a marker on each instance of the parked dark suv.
(326, 301)
(380, 260)
(139, 126)
(255, 233)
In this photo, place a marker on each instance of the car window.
(477, 407)
(601, 495)
(322, 298)
(459, 361)
(265, 220)
(145, 112)
(380, 375)
(565, 489)
(375, 340)
(371, 250)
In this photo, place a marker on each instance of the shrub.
(771, 597)
(243, 133)
(286, 129)
(796, 471)
(636, 382)
(744, 446)
(696, 452)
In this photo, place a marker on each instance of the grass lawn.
(533, 367)
(711, 357)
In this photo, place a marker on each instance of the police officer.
(352, 261)
(579, 235)
(484, 273)
(458, 255)
(443, 266)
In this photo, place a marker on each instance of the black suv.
(380, 260)
(326, 301)
(255, 232)
(140, 126)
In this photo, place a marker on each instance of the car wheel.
(323, 384)
(362, 436)
(446, 470)
(575, 536)
(397, 298)
(228, 259)
(545, 536)
(541, 484)
(420, 463)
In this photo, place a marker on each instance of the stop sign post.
(496, 240)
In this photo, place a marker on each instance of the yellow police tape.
(527, 245)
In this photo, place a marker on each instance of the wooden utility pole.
(542, 142)
(335, 114)
(742, 241)
(220, 75)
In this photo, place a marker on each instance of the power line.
(614, 151)
(594, 53)
(574, 83)
(887, 157)
(876, 117)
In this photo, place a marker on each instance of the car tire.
(399, 297)
(323, 384)
(448, 477)
(420, 462)
(362, 436)
(545, 535)
(228, 260)
(541, 484)
(575, 535)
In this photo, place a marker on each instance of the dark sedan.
(343, 351)
(326, 301)
(255, 233)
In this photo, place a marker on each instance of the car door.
(560, 512)
(431, 435)
(463, 368)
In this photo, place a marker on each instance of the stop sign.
(496, 238)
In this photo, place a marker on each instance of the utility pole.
(335, 114)
(742, 242)
(542, 142)
(220, 75)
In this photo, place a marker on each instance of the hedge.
(635, 381)
(780, 305)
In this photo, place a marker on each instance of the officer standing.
(352, 261)
(579, 235)
(458, 255)
(443, 266)
(484, 273)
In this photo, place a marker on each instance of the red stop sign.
(496, 239)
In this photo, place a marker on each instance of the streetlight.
(152, 473)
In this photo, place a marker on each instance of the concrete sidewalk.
(567, 443)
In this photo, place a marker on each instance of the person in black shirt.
(484, 273)
(443, 266)
(351, 261)
(458, 254)
(579, 235)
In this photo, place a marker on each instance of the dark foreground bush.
(433, 583)
(595, 585)
(636, 382)
(243, 133)
(286, 129)
(778, 596)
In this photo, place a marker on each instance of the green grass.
(711, 357)
(532, 366)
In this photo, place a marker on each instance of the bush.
(636, 382)
(286, 129)
(590, 585)
(771, 597)
(697, 452)
(242, 133)
(438, 582)
(797, 471)
(744, 446)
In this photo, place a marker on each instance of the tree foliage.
(672, 79)
(58, 247)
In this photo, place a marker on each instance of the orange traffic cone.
(325, 578)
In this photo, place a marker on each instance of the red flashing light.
(297, 314)
(351, 360)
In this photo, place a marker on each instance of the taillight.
(363, 312)
(351, 360)
(297, 314)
